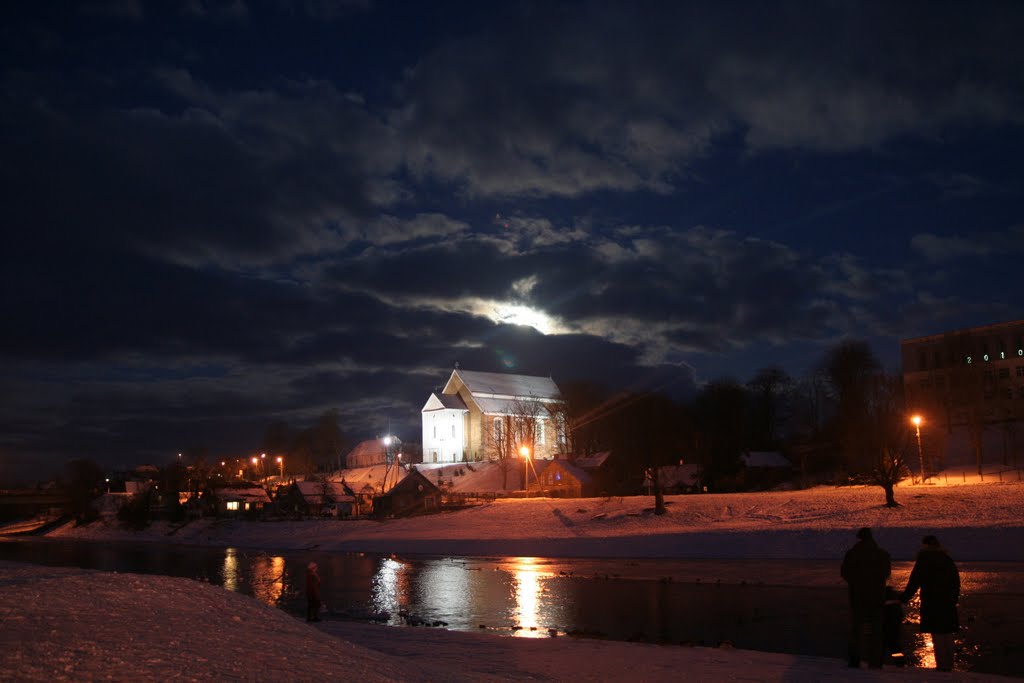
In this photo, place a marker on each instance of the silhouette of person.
(938, 579)
(312, 593)
(865, 569)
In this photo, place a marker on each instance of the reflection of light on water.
(388, 584)
(231, 569)
(443, 588)
(922, 650)
(268, 579)
(526, 572)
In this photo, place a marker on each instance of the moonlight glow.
(515, 314)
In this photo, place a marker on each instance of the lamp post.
(280, 461)
(916, 419)
(525, 452)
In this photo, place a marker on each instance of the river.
(796, 607)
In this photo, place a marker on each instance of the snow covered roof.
(313, 491)
(501, 385)
(592, 461)
(253, 495)
(359, 477)
(506, 406)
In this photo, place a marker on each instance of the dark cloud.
(224, 214)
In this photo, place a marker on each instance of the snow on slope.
(973, 521)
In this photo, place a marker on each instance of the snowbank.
(71, 625)
(973, 521)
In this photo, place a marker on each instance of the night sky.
(220, 214)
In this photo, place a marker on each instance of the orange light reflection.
(526, 572)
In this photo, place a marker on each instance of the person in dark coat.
(312, 593)
(865, 569)
(938, 579)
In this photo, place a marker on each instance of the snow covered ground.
(64, 624)
(70, 624)
(974, 521)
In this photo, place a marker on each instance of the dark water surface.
(789, 606)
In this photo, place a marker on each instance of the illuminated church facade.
(489, 415)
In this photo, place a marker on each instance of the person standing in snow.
(865, 569)
(312, 593)
(936, 575)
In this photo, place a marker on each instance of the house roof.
(502, 385)
(578, 474)
(765, 459)
(592, 461)
(313, 491)
(414, 481)
(253, 495)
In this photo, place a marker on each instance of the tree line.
(845, 419)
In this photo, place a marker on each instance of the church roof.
(502, 385)
(444, 402)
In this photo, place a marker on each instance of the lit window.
(232, 505)
(540, 430)
(497, 429)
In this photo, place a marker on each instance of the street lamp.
(916, 419)
(525, 452)
(280, 461)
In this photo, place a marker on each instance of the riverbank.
(71, 624)
(981, 522)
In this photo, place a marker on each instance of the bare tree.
(507, 434)
(886, 459)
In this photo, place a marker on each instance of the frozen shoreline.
(68, 624)
(71, 624)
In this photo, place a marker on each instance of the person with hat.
(865, 569)
(936, 576)
(312, 593)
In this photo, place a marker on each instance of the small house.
(414, 494)
(765, 469)
(560, 479)
(236, 502)
(319, 499)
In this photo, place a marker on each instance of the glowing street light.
(525, 452)
(280, 461)
(917, 420)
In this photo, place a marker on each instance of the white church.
(479, 413)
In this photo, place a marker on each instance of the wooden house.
(237, 501)
(414, 494)
(318, 499)
(560, 479)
